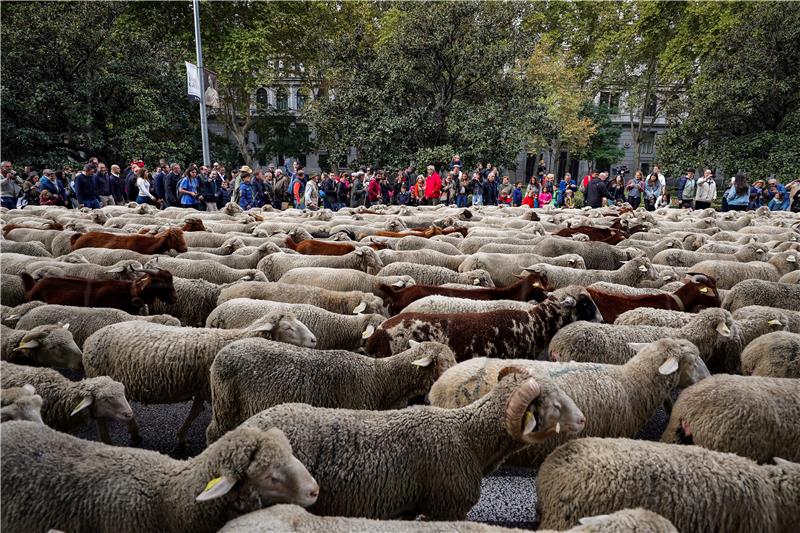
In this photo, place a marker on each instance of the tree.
(603, 148)
(743, 110)
(415, 79)
(75, 84)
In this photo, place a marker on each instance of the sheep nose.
(313, 493)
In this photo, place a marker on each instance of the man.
(118, 186)
(269, 191)
(48, 182)
(686, 189)
(209, 190)
(566, 185)
(297, 188)
(433, 186)
(171, 181)
(158, 182)
(588, 177)
(257, 184)
(280, 189)
(10, 186)
(311, 194)
(328, 187)
(85, 188)
(706, 190)
(774, 186)
(490, 189)
(409, 177)
(661, 179)
(102, 182)
(596, 190)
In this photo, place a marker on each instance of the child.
(404, 198)
(569, 198)
(776, 204)
(45, 198)
(545, 197)
(245, 193)
(516, 194)
(663, 201)
(528, 200)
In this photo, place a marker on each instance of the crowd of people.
(208, 188)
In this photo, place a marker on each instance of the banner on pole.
(192, 82)
(212, 94)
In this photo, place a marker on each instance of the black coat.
(490, 189)
(595, 192)
(171, 189)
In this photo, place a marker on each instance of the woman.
(476, 187)
(534, 188)
(143, 183)
(433, 186)
(461, 194)
(738, 196)
(210, 191)
(635, 189)
(373, 191)
(756, 193)
(418, 191)
(187, 188)
(652, 190)
(505, 192)
(617, 190)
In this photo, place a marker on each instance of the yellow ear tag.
(704, 290)
(528, 417)
(774, 322)
(211, 483)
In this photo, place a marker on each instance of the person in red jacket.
(373, 191)
(433, 186)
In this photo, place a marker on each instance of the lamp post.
(203, 114)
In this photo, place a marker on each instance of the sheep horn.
(518, 404)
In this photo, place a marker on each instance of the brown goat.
(314, 247)
(697, 293)
(144, 244)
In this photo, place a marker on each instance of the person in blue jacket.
(245, 193)
(85, 189)
(738, 196)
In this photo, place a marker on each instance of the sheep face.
(21, 403)
(370, 262)
(51, 345)
(278, 476)
(284, 327)
(577, 302)
(680, 355)
(105, 399)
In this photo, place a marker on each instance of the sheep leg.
(133, 431)
(194, 412)
(102, 430)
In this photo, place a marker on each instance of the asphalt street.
(508, 497)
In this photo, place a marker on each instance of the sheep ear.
(476, 281)
(360, 251)
(65, 326)
(792, 259)
(594, 520)
(27, 345)
(398, 284)
(219, 486)
(116, 270)
(269, 326)
(723, 330)
(425, 361)
(360, 308)
(781, 462)
(775, 322)
(637, 346)
(412, 343)
(86, 402)
(670, 366)
(569, 301)
(368, 332)
(30, 388)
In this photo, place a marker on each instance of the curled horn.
(518, 403)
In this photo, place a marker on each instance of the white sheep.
(210, 271)
(774, 354)
(632, 273)
(49, 345)
(276, 265)
(251, 375)
(332, 330)
(336, 279)
(168, 364)
(20, 403)
(729, 273)
(424, 274)
(66, 483)
(760, 292)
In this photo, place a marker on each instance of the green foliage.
(742, 112)
(416, 79)
(604, 144)
(76, 84)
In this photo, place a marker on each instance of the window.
(647, 143)
(281, 99)
(610, 100)
(302, 98)
(262, 98)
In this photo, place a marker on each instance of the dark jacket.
(131, 188)
(343, 192)
(158, 184)
(490, 189)
(85, 189)
(595, 192)
(171, 189)
(102, 182)
(118, 189)
(357, 193)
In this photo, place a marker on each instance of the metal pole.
(203, 115)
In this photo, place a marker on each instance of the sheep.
(451, 305)
(332, 330)
(42, 236)
(283, 518)
(686, 258)
(48, 345)
(227, 244)
(108, 256)
(505, 267)
(211, 271)
(251, 375)
(99, 397)
(12, 290)
(791, 277)
(194, 301)
(420, 460)
(632, 273)
(32, 248)
(71, 484)
(421, 257)
(597, 255)
(616, 399)
(412, 242)
(760, 292)
(505, 333)
(83, 321)
(343, 303)
(20, 403)
(696, 489)
(62, 243)
(790, 318)
(729, 273)
(343, 280)
(276, 265)
(605, 343)
(168, 364)
(751, 416)
(9, 316)
(126, 270)
(237, 261)
(434, 275)
(649, 316)
(773, 355)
